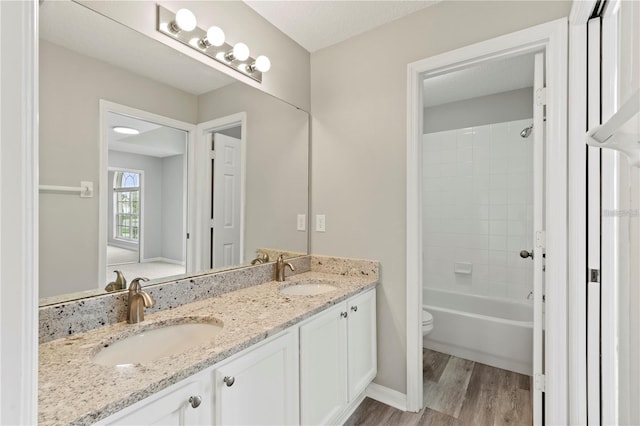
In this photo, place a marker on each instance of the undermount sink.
(152, 344)
(306, 288)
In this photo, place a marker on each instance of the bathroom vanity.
(277, 357)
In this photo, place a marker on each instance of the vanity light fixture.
(126, 130)
(181, 26)
(185, 20)
(240, 52)
(215, 37)
(262, 64)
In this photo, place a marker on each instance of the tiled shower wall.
(478, 210)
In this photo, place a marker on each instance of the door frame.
(203, 180)
(189, 182)
(553, 38)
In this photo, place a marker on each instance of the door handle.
(524, 254)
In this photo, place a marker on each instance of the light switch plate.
(302, 222)
(320, 223)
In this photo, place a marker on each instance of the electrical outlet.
(302, 225)
(320, 223)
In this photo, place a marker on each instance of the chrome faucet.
(280, 267)
(260, 259)
(138, 300)
(119, 284)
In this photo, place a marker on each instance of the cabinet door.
(323, 362)
(362, 349)
(172, 406)
(261, 386)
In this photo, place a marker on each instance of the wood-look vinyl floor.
(458, 392)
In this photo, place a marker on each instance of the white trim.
(203, 179)
(611, 189)
(577, 152)
(19, 225)
(189, 184)
(350, 409)
(580, 12)
(551, 36)
(592, 318)
(387, 396)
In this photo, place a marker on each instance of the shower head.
(526, 132)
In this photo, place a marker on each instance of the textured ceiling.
(317, 24)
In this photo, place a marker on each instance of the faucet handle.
(135, 283)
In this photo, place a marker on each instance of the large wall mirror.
(191, 169)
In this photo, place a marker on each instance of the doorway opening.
(480, 203)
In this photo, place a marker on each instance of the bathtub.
(496, 332)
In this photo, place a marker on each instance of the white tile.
(449, 169)
(497, 242)
(498, 196)
(497, 227)
(499, 180)
(465, 138)
(465, 168)
(517, 243)
(481, 211)
(518, 196)
(431, 183)
(499, 165)
(517, 212)
(497, 258)
(464, 155)
(433, 170)
(431, 157)
(449, 156)
(498, 212)
(430, 198)
(515, 227)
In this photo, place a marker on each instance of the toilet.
(427, 322)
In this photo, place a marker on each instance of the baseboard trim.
(387, 396)
(350, 409)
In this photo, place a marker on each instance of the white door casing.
(201, 232)
(538, 237)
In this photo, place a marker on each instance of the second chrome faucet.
(280, 267)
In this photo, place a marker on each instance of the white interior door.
(226, 196)
(538, 238)
(593, 227)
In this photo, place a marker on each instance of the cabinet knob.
(354, 308)
(229, 380)
(343, 314)
(195, 401)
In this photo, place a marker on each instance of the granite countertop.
(73, 389)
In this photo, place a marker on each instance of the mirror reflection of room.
(93, 78)
(145, 200)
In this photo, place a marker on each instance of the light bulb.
(185, 20)
(215, 36)
(240, 51)
(262, 64)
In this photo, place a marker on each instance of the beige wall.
(288, 78)
(71, 87)
(359, 96)
(277, 185)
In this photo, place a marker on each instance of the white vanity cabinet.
(261, 386)
(308, 374)
(189, 402)
(337, 358)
